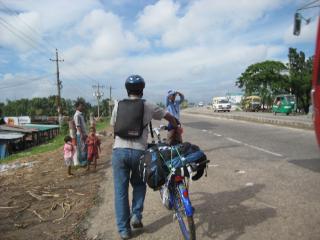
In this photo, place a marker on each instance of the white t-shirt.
(151, 111)
(79, 122)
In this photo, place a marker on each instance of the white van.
(221, 104)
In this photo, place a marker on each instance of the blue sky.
(199, 47)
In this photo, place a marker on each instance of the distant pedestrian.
(2, 122)
(93, 145)
(73, 135)
(173, 107)
(81, 132)
(69, 151)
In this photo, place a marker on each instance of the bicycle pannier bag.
(153, 169)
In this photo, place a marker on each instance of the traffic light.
(297, 24)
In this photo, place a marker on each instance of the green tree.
(41, 106)
(160, 104)
(184, 104)
(264, 79)
(104, 107)
(300, 71)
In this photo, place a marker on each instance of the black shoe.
(125, 235)
(135, 222)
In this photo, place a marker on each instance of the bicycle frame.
(180, 186)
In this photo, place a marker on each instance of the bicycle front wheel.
(186, 225)
(186, 222)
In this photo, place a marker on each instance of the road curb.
(278, 122)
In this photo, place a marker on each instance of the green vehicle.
(284, 104)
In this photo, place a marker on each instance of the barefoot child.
(69, 151)
(93, 144)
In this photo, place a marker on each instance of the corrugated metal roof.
(17, 129)
(41, 127)
(10, 135)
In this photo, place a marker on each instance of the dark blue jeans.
(125, 165)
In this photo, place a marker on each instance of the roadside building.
(234, 98)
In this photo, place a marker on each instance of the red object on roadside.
(315, 93)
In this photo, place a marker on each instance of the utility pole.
(98, 94)
(110, 89)
(110, 100)
(59, 86)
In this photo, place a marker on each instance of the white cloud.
(25, 85)
(199, 47)
(55, 15)
(106, 36)
(204, 22)
(15, 31)
(34, 22)
(155, 19)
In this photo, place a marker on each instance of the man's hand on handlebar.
(171, 119)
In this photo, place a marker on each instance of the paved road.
(298, 121)
(263, 183)
(293, 117)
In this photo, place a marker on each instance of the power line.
(82, 73)
(30, 41)
(32, 29)
(24, 36)
(75, 86)
(309, 5)
(5, 24)
(28, 81)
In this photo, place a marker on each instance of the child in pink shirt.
(69, 151)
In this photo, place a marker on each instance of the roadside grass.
(51, 145)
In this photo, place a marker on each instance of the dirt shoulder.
(42, 202)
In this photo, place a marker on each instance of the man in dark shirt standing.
(2, 122)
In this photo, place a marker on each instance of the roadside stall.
(17, 138)
(6, 141)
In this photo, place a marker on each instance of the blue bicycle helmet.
(135, 84)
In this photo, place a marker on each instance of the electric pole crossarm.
(98, 94)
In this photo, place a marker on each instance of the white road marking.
(204, 130)
(213, 165)
(254, 147)
(234, 140)
(249, 184)
(216, 134)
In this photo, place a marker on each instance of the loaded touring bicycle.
(169, 170)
